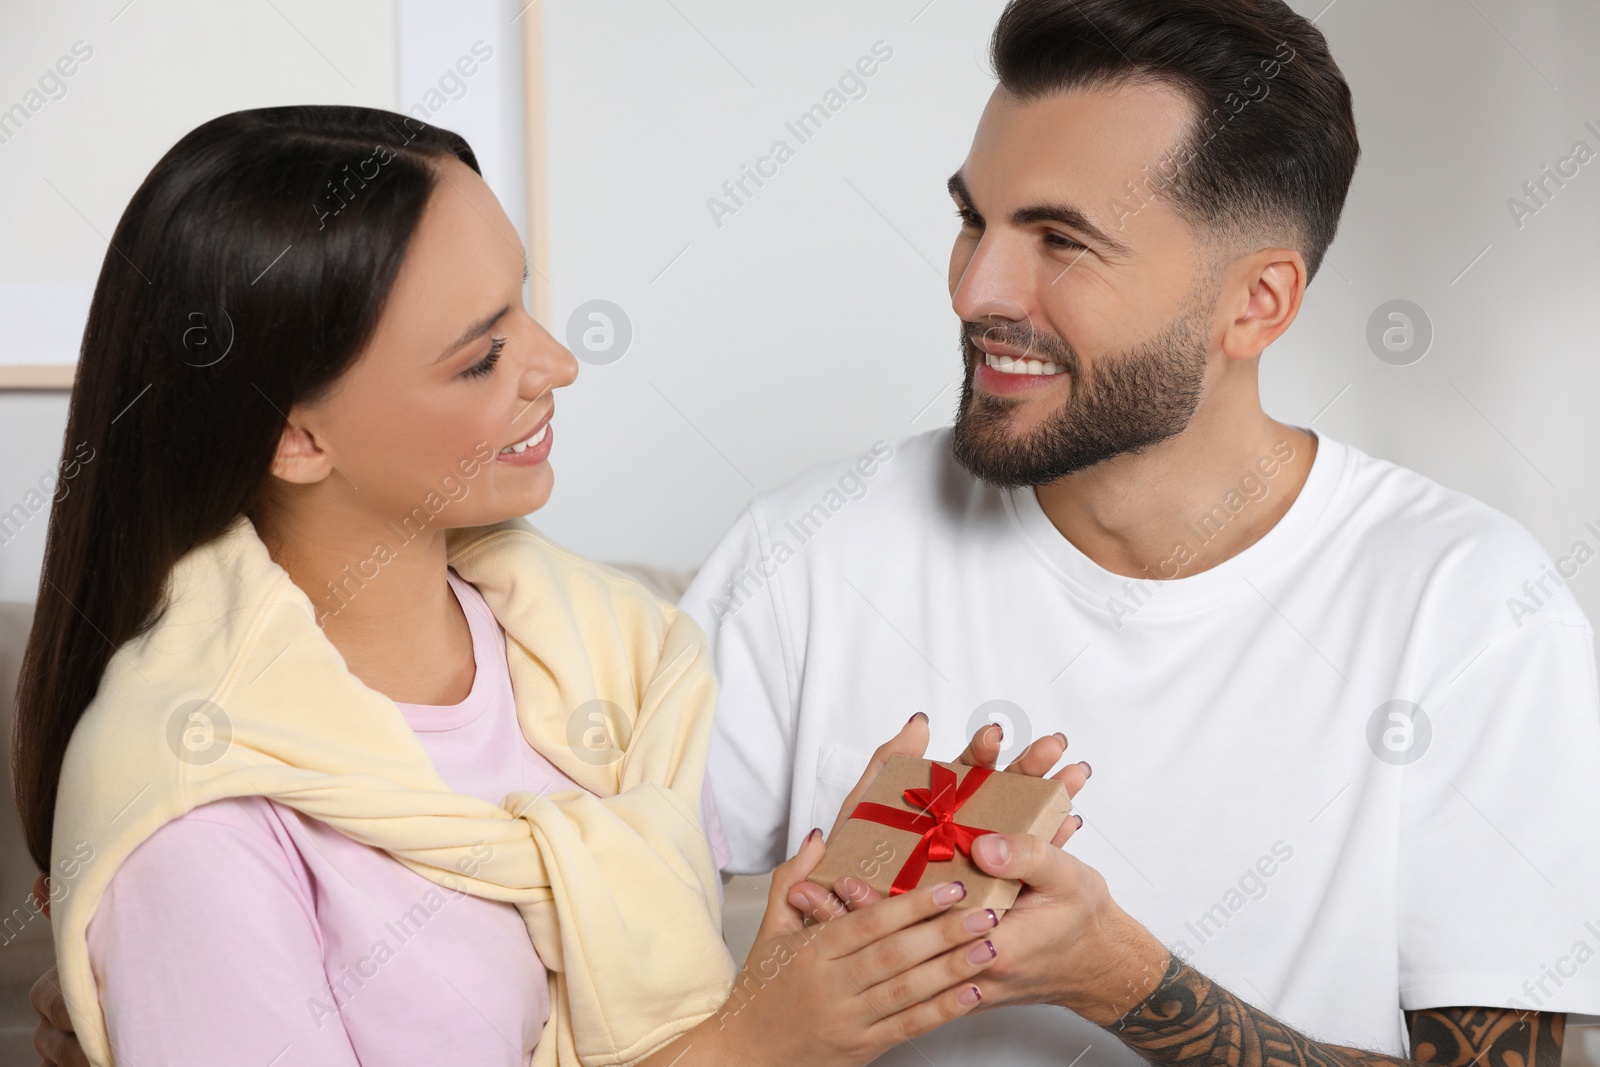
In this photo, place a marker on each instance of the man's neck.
(1187, 504)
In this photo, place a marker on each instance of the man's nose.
(997, 283)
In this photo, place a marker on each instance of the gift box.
(917, 821)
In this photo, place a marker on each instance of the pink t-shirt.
(244, 932)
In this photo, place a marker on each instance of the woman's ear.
(299, 459)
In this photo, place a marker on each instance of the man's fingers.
(985, 746)
(861, 928)
(58, 1049)
(1031, 859)
(912, 740)
(53, 1038)
(815, 902)
(849, 893)
(47, 1001)
(855, 893)
(41, 894)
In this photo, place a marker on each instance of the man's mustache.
(1023, 336)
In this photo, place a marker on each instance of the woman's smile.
(531, 450)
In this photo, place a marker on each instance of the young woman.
(307, 726)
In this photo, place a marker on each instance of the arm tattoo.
(1190, 1021)
(1500, 1037)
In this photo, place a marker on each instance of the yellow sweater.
(618, 890)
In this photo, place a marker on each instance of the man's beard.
(1133, 400)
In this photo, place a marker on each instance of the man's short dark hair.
(1273, 145)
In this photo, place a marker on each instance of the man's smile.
(1005, 370)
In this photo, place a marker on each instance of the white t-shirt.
(1264, 797)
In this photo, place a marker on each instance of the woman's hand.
(983, 751)
(842, 993)
(1064, 940)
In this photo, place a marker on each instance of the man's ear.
(299, 459)
(1269, 287)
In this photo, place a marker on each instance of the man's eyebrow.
(1065, 214)
(481, 327)
(958, 188)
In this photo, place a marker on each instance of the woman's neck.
(386, 605)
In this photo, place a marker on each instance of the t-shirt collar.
(1157, 596)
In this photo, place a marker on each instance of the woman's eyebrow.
(481, 327)
(473, 332)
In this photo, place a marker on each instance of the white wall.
(815, 319)
(155, 70)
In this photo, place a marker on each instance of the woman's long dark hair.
(246, 275)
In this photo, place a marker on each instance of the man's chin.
(994, 456)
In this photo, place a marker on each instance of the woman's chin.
(526, 502)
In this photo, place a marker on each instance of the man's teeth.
(523, 446)
(1007, 365)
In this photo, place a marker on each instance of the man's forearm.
(1190, 1021)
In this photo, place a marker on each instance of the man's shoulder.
(1401, 520)
(913, 479)
(881, 506)
(1416, 514)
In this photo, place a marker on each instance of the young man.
(1343, 721)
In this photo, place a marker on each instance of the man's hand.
(1064, 940)
(41, 894)
(53, 1038)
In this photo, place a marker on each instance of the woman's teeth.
(523, 446)
(1007, 365)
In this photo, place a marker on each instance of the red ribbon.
(942, 836)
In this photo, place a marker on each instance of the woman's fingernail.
(816, 831)
(1000, 733)
(1063, 738)
(979, 921)
(968, 996)
(949, 893)
(982, 952)
(1088, 771)
(848, 887)
(798, 901)
(1075, 815)
(918, 715)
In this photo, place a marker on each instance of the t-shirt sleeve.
(711, 819)
(1499, 875)
(205, 950)
(735, 598)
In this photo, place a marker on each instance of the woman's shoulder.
(589, 591)
(226, 846)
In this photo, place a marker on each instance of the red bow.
(941, 834)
